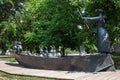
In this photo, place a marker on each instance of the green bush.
(116, 60)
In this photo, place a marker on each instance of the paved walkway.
(4, 78)
(15, 68)
(5, 56)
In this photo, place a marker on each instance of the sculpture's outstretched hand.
(92, 19)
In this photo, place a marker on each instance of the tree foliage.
(111, 11)
(54, 22)
(8, 24)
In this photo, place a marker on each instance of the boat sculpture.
(87, 63)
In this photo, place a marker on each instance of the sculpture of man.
(17, 47)
(103, 37)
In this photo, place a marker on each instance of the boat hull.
(88, 63)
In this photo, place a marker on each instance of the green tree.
(8, 23)
(54, 22)
(111, 11)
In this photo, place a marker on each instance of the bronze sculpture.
(103, 36)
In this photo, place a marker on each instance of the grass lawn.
(8, 59)
(16, 77)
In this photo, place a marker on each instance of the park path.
(4, 78)
(15, 68)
